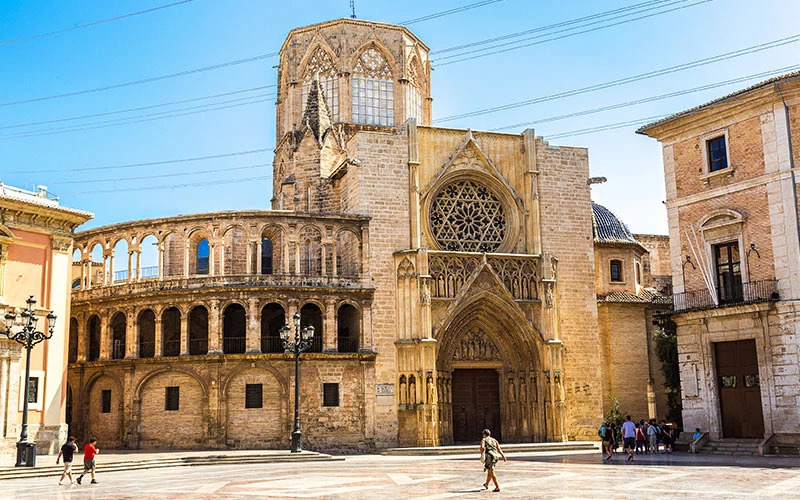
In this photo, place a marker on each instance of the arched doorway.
(490, 374)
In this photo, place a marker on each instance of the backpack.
(602, 431)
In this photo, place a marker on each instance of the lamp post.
(27, 337)
(302, 342)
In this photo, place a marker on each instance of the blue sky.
(205, 32)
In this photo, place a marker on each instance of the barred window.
(373, 89)
(172, 398)
(105, 403)
(330, 394)
(321, 67)
(253, 396)
(33, 390)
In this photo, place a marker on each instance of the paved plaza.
(561, 476)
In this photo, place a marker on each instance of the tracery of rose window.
(321, 67)
(466, 216)
(373, 89)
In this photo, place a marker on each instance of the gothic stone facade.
(733, 218)
(449, 274)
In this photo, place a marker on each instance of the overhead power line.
(455, 10)
(546, 28)
(145, 80)
(94, 23)
(171, 186)
(144, 164)
(157, 176)
(140, 108)
(467, 57)
(135, 119)
(603, 128)
(764, 74)
(622, 81)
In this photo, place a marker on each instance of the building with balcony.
(449, 275)
(732, 202)
(35, 245)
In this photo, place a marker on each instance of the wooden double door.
(739, 389)
(476, 404)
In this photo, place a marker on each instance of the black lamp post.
(28, 337)
(302, 342)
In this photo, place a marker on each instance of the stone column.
(214, 329)
(333, 260)
(131, 334)
(253, 332)
(130, 268)
(248, 269)
(365, 342)
(259, 257)
(365, 250)
(106, 268)
(83, 339)
(212, 268)
(184, 351)
(139, 265)
(105, 336)
(160, 262)
(330, 334)
(158, 348)
(186, 258)
(3, 259)
(285, 245)
(323, 266)
(297, 268)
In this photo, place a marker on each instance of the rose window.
(467, 217)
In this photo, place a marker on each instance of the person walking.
(668, 436)
(629, 437)
(652, 436)
(643, 425)
(608, 441)
(490, 450)
(640, 447)
(89, 452)
(67, 451)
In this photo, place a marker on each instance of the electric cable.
(455, 10)
(170, 186)
(635, 78)
(94, 23)
(158, 176)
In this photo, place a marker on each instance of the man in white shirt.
(629, 437)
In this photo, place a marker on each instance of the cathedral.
(456, 280)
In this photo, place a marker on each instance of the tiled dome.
(607, 227)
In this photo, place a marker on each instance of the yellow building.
(35, 245)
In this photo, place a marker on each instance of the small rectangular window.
(253, 396)
(330, 394)
(172, 398)
(717, 154)
(615, 268)
(33, 390)
(105, 403)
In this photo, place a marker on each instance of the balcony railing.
(271, 344)
(172, 347)
(752, 292)
(233, 345)
(198, 347)
(348, 344)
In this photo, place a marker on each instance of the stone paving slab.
(546, 476)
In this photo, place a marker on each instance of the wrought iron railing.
(750, 293)
(172, 347)
(198, 347)
(348, 344)
(148, 272)
(147, 349)
(271, 344)
(233, 345)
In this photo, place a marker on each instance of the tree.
(666, 343)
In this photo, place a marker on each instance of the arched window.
(615, 270)
(310, 251)
(266, 256)
(198, 331)
(73, 340)
(273, 317)
(373, 89)
(147, 333)
(414, 90)
(347, 328)
(234, 324)
(149, 257)
(311, 315)
(202, 257)
(321, 67)
(171, 332)
(120, 261)
(118, 327)
(93, 330)
(638, 272)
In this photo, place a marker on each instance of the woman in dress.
(490, 450)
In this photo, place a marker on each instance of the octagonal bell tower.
(372, 74)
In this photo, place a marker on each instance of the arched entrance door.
(476, 404)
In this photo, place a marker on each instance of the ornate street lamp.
(302, 342)
(28, 337)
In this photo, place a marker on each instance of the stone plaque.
(689, 380)
(384, 394)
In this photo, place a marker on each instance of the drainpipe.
(791, 158)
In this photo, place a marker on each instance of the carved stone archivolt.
(474, 346)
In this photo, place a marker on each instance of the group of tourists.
(637, 438)
(68, 452)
